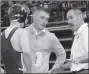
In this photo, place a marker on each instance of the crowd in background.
(57, 9)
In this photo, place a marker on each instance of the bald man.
(79, 60)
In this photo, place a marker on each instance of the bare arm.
(24, 42)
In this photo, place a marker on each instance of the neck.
(15, 23)
(79, 24)
(36, 28)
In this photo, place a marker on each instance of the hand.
(65, 66)
(49, 71)
(52, 71)
(75, 61)
(68, 60)
(24, 70)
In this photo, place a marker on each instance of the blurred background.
(57, 21)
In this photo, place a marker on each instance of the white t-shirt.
(80, 47)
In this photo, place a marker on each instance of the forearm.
(66, 65)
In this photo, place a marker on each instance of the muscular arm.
(60, 53)
(24, 42)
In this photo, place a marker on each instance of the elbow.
(27, 54)
(64, 56)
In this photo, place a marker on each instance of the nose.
(45, 21)
(69, 21)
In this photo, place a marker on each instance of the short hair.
(42, 9)
(14, 9)
(17, 11)
(76, 11)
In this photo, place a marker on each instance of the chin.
(72, 29)
(42, 28)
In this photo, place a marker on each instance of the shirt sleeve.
(84, 38)
(59, 51)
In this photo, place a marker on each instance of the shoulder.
(22, 31)
(85, 30)
(86, 27)
(52, 36)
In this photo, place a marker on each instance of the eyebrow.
(44, 16)
(70, 17)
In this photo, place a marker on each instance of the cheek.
(39, 21)
(22, 25)
(75, 21)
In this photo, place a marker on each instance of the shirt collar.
(42, 31)
(81, 28)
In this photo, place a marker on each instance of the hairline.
(76, 11)
(41, 9)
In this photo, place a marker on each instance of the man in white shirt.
(43, 42)
(78, 61)
(79, 50)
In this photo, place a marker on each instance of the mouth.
(43, 25)
(71, 26)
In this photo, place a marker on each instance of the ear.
(84, 15)
(80, 16)
(33, 16)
